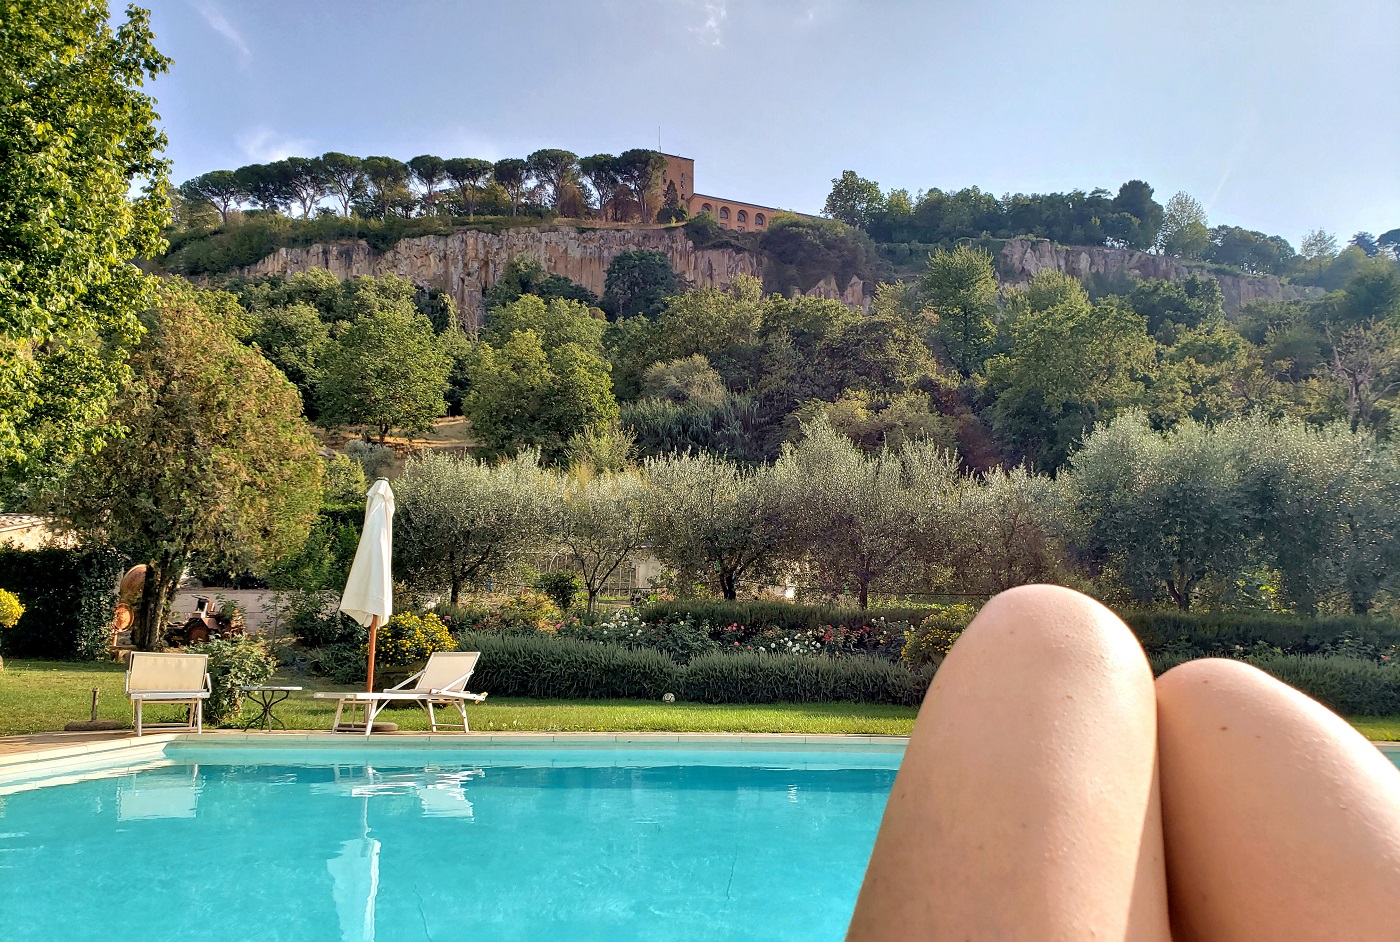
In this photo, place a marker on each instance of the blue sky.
(1280, 116)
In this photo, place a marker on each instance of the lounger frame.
(429, 692)
(168, 678)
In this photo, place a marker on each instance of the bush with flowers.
(409, 637)
(531, 610)
(930, 643)
(682, 639)
(468, 615)
(880, 637)
(10, 609)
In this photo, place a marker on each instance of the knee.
(1050, 622)
(1049, 639)
(1209, 685)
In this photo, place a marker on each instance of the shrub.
(313, 618)
(882, 637)
(774, 678)
(68, 597)
(374, 458)
(549, 666)
(561, 587)
(10, 609)
(1350, 686)
(463, 616)
(232, 662)
(529, 610)
(344, 663)
(681, 640)
(757, 616)
(409, 637)
(930, 643)
(1225, 634)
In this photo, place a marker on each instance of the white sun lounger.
(169, 678)
(441, 683)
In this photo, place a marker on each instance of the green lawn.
(41, 696)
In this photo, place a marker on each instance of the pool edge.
(110, 753)
(48, 759)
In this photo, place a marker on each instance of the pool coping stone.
(47, 757)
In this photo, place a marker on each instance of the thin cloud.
(263, 145)
(711, 33)
(220, 24)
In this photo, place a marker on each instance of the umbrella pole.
(373, 630)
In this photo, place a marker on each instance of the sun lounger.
(169, 678)
(441, 683)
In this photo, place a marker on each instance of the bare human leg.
(1281, 821)
(1026, 808)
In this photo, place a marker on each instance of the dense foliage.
(215, 456)
(546, 666)
(77, 134)
(233, 662)
(1131, 219)
(68, 599)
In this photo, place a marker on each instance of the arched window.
(724, 213)
(743, 215)
(758, 219)
(706, 208)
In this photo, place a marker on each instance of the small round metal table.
(266, 698)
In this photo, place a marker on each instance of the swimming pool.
(493, 843)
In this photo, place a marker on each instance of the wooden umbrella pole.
(373, 630)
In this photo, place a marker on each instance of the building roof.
(730, 199)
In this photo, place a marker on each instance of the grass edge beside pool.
(41, 696)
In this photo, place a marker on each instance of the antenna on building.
(658, 137)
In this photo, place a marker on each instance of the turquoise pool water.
(400, 846)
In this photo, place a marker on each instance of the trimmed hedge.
(542, 666)
(1348, 685)
(68, 595)
(551, 667)
(1185, 633)
(783, 615)
(1235, 633)
(788, 678)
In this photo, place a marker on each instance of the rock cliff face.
(1022, 258)
(466, 263)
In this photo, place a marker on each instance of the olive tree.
(1006, 531)
(460, 520)
(860, 520)
(1163, 510)
(216, 458)
(711, 518)
(1327, 506)
(602, 521)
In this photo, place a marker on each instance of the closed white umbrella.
(369, 592)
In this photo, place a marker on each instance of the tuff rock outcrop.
(1021, 258)
(464, 264)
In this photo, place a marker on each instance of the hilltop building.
(731, 214)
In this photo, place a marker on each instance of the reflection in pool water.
(604, 845)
